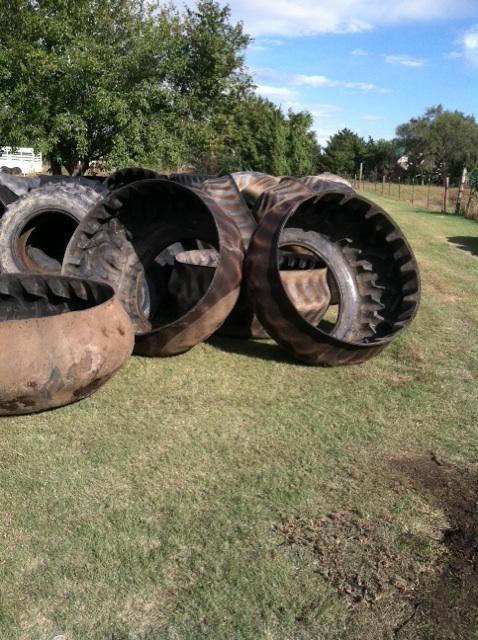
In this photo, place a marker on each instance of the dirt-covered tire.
(36, 228)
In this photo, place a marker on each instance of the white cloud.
(323, 134)
(283, 93)
(372, 118)
(323, 81)
(406, 61)
(453, 55)
(323, 110)
(271, 42)
(470, 45)
(289, 18)
(359, 52)
(264, 44)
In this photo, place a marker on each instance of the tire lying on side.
(36, 228)
(372, 266)
(120, 240)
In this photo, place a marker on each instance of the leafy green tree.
(440, 143)
(380, 158)
(130, 82)
(301, 144)
(81, 80)
(344, 152)
(262, 138)
(119, 79)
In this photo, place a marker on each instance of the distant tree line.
(432, 147)
(127, 82)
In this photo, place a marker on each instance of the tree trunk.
(55, 167)
(81, 167)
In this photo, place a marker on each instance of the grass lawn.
(230, 493)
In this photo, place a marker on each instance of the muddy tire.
(36, 228)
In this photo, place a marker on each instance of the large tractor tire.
(36, 228)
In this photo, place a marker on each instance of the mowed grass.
(430, 197)
(230, 493)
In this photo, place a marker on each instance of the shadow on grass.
(466, 243)
(261, 349)
(447, 607)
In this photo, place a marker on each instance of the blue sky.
(364, 64)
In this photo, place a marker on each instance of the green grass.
(230, 494)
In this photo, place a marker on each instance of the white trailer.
(20, 160)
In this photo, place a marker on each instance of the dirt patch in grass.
(363, 564)
(447, 605)
(405, 584)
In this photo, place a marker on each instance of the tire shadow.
(262, 349)
(466, 243)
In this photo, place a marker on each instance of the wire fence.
(435, 198)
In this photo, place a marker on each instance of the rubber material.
(387, 273)
(62, 339)
(120, 240)
(35, 229)
(123, 177)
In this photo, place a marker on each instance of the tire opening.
(315, 295)
(42, 242)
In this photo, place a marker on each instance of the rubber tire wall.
(74, 200)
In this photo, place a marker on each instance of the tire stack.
(306, 261)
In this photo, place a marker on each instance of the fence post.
(413, 190)
(389, 186)
(399, 178)
(383, 184)
(460, 192)
(445, 194)
(428, 192)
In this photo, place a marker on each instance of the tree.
(380, 158)
(344, 152)
(129, 82)
(119, 79)
(301, 144)
(440, 143)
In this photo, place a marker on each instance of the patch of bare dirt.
(354, 557)
(421, 586)
(448, 604)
